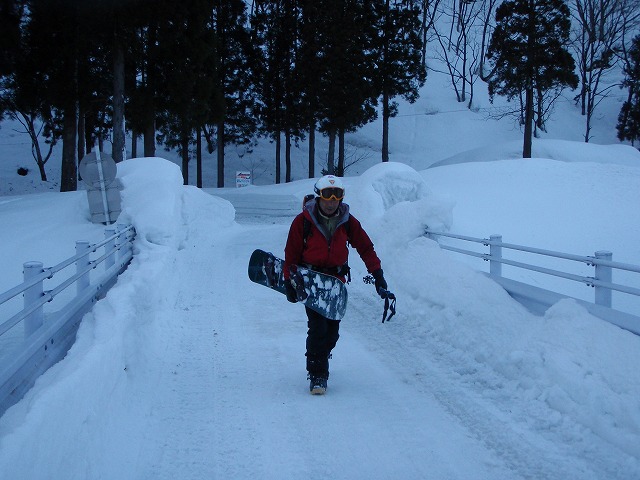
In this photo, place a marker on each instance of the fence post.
(122, 240)
(31, 295)
(495, 251)
(82, 246)
(603, 273)
(110, 261)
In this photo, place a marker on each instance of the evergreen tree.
(276, 31)
(95, 87)
(629, 118)
(54, 36)
(187, 78)
(528, 49)
(20, 86)
(66, 72)
(143, 63)
(350, 91)
(235, 55)
(400, 68)
(310, 67)
(113, 23)
(11, 12)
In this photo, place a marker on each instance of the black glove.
(292, 295)
(380, 282)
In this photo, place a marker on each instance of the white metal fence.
(539, 299)
(46, 338)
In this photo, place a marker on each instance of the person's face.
(329, 206)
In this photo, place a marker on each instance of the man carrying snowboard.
(318, 239)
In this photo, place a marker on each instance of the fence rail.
(601, 280)
(46, 338)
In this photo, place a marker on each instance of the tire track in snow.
(466, 393)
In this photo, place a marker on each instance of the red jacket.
(323, 253)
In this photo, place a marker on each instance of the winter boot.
(317, 385)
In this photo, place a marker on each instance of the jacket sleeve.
(363, 245)
(295, 245)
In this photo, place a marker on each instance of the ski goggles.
(332, 193)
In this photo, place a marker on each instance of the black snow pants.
(322, 336)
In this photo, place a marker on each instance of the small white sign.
(243, 179)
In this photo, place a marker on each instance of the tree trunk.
(528, 123)
(185, 159)
(340, 169)
(208, 136)
(331, 152)
(149, 131)
(312, 150)
(35, 146)
(199, 158)
(28, 122)
(87, 136)
(590, 109)
(385, 89)
(539, 118)
(81, 133)
(102, 134)
(150, 135)
(278, 141)
(43, 173)
(118, 145)
(485, 27)
(528, 102)
(287, 156)
(583, 93)
(220, 153)
(134, 144)
(425, 8)
(69, 172)
(385, 127)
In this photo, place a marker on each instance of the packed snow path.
(236, 375)
(244, 410)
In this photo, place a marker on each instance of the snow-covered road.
(251, 414)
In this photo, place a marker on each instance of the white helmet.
(332, 185)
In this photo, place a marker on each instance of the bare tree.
(37, 130)
(487, 11)
(460, 50)
(429, 13)
(352, 156)
(598, 33)
(258, 167)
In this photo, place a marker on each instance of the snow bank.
(97, 388)
(154, 200)
(393, 197)
(583, 369)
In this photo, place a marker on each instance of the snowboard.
(321, 292)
